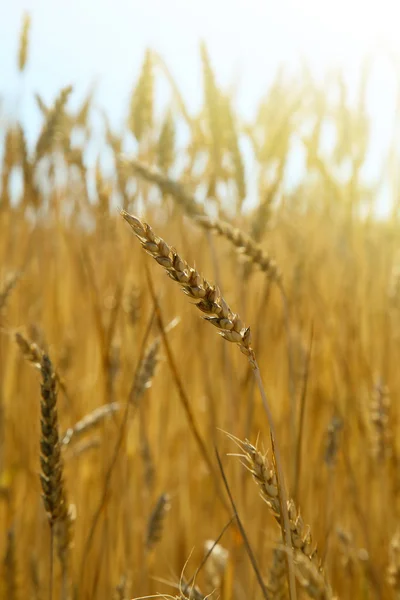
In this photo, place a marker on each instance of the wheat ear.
(244, 243)
(51, 477)
(155, 524)
(207, 297)
(9, 284)
(166, 185)
(209, 300)
(264, 474)
(89, 422)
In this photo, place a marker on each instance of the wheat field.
(141, 454)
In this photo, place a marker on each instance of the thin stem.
(292, 386)
(242, 530)
(182, 393)
(285, 526)
(113, 461)
(208, 554)
(298, 454)
(51, 570)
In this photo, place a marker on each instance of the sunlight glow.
(373, 22)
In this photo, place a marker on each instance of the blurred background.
(102, 43)
(279, 125)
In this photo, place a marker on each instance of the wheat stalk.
(52, 129)
(207, 297)
(166, 143)
(8, 286)
(51, 477)
(24, 42)
(209, 300)
(167, 186)
(142, 100)
(265, 476)
(145, 372)
(89, 422)
(244, 244)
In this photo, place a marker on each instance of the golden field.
(110, 484)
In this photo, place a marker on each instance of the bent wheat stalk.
(245, 244)
(209, 300)
(264, 474)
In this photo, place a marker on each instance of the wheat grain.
(207, 297)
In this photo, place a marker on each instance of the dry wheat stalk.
(23, 42)
(51, 477)
(45, 110)
(207, 297)
(190, 592)
(156, 521)
(82, 114)
(264, 474)
(166, 143)
(8, 286)
(53, 126)
(231, 141)
(167, 186)
(141, 108)
(10, 567)
(244, 244)
(213, 112)
(145, 372)
(31, 195)
(89, 422)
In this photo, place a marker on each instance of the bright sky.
(82, 41)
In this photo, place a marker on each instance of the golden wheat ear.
(209, 300)
(52, 468)
(206, 296)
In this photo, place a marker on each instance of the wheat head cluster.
(141, 454)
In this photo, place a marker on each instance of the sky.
(103, 41)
